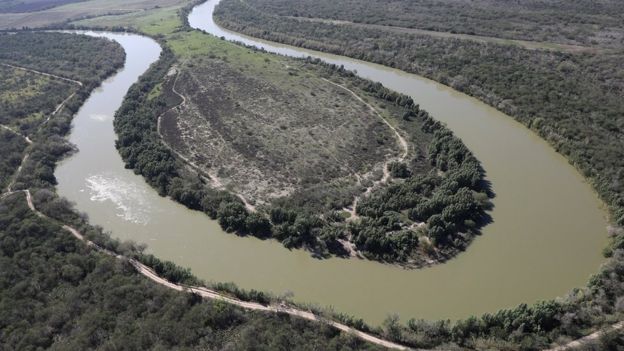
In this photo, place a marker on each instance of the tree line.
(582, 22)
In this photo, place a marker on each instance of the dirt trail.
(42, 73)
(58, 108)
(17, 173)
(25, 137)
(212, 294)
(210, 178)
(589, 338)
(400, 138)
(386, 173)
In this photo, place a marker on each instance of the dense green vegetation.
(62, 54)
(12, 146)
(449, 203)
(582, 22)
(56, 293)
(572, 100)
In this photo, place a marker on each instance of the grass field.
(154, 21)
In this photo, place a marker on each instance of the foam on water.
(130, 201)
(100, 117)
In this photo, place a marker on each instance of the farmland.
(72, 11)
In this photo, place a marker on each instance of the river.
(547, 236)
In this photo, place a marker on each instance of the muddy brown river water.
(548, 232)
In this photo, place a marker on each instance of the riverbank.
(207, 293)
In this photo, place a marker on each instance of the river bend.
(547, 235)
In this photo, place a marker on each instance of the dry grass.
(266, 130)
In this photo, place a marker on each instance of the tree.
(258, 225)
(232, 216)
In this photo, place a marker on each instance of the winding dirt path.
(589, 338)
(212, 294)
(352, 210)
(210, 178)
(58, 108)
(42, 73)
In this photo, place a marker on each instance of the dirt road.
(386, 173)
(42, 73)
(589, 338)
(212, 179)
(212, 294)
